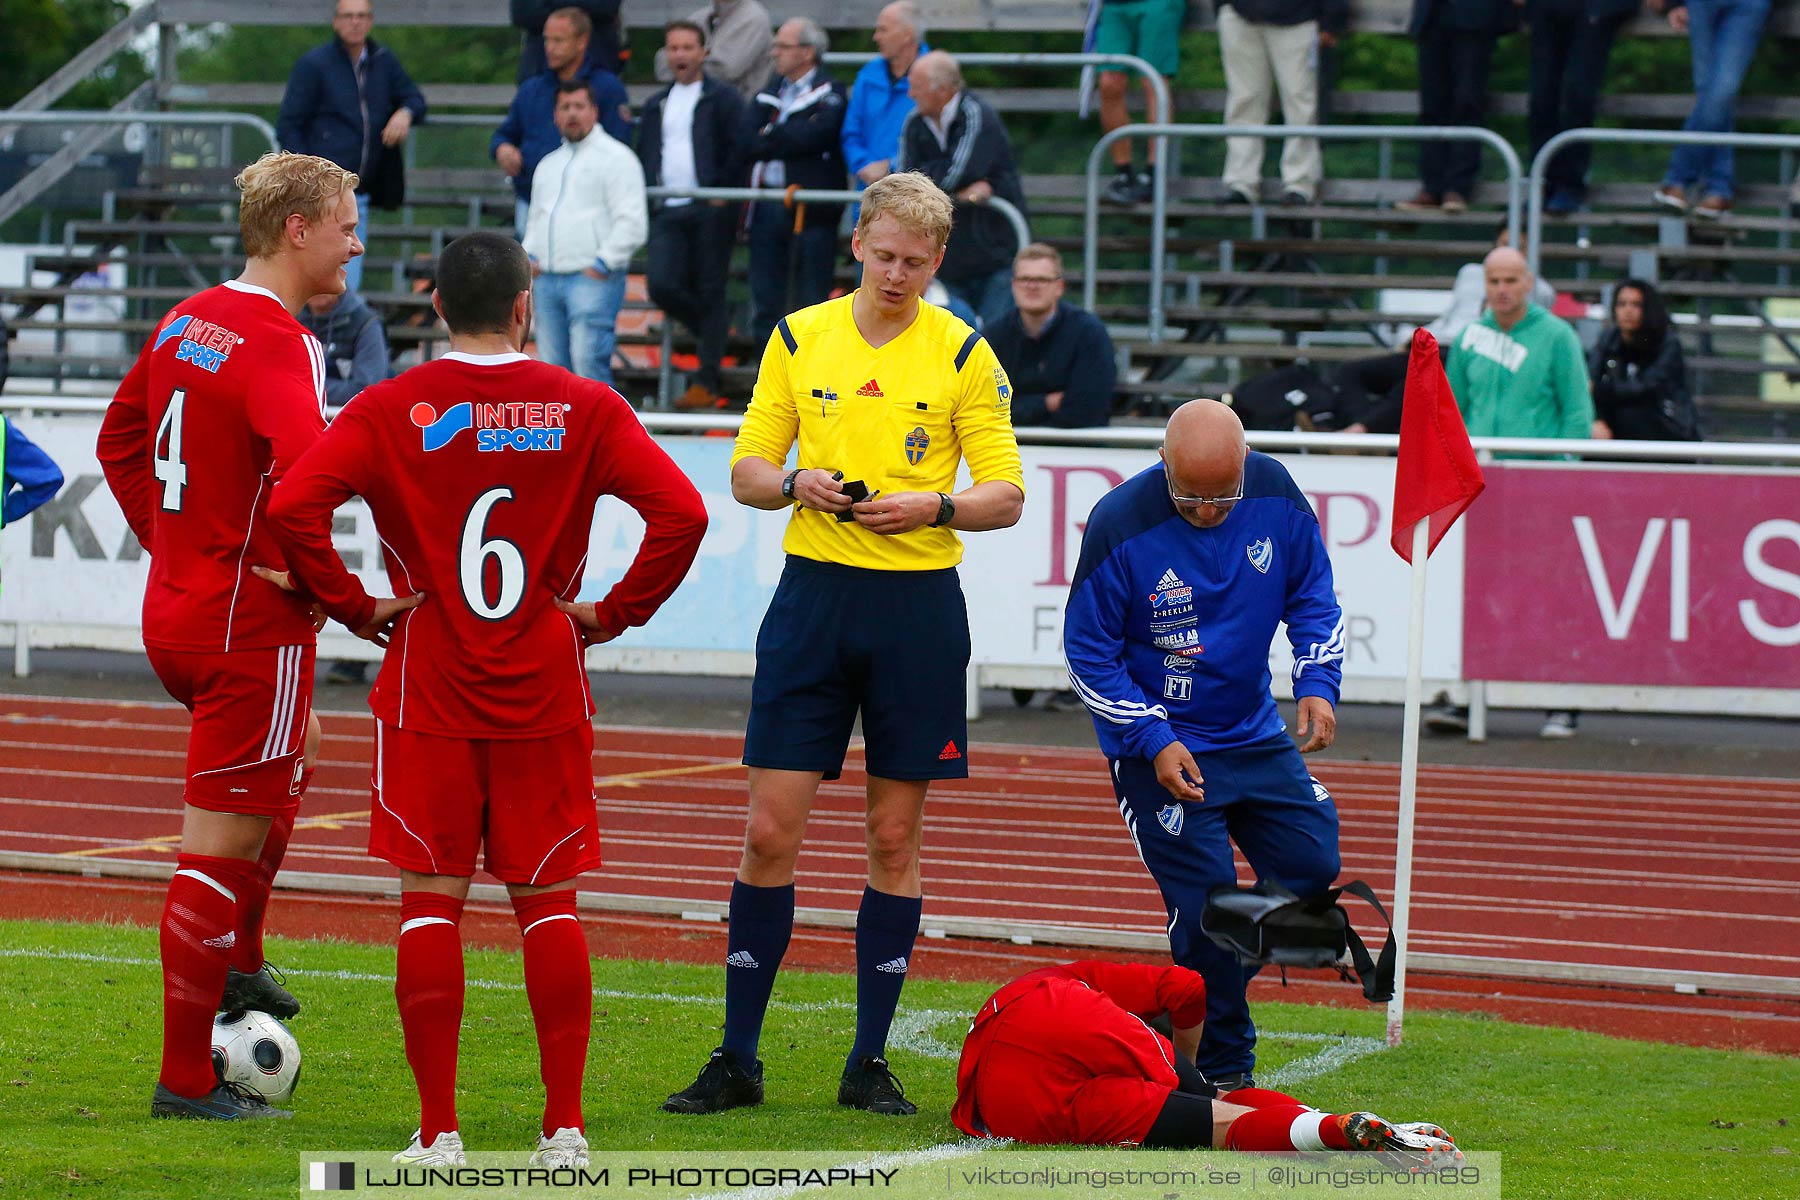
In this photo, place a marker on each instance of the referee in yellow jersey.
(886, 396)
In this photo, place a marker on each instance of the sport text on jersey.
(511, 425)
(203, 343)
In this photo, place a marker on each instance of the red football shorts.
(529, 801)
(250, 709)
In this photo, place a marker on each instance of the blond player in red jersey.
(482, 470)
(226, 394)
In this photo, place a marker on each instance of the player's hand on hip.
(1179, 774)
(318, 616)
(1317, 724)
(587, 616)
(381, 626)
(889, 513)
(281, 579)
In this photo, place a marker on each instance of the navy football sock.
(762, 922)
(886, 926)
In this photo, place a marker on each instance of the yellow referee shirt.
(899, 418)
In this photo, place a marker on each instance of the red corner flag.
(1437, 477)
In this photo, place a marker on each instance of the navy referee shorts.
(839, 641)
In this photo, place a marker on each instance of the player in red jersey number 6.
(482, 470)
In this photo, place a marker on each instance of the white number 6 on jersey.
(472, 555)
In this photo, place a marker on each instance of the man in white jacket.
(587, 219)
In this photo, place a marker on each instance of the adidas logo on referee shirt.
(893, 966)
(742, 958)
(871, 388)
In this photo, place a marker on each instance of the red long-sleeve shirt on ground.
(225, 396)
(1062, 1055)
(482, 474)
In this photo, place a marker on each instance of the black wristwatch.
(946, 511)
(787, 485)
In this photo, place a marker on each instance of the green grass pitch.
(1575, 1114)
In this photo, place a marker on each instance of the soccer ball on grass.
(256, 1050)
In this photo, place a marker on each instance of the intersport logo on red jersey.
(514, 425)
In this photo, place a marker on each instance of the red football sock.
(199, 922)
(559, 983)
(1283, 1127)
(428, 984)
(253, 901)
(1330, 1131)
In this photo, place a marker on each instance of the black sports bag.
(1270, 925)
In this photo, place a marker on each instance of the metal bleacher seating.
(1246, 289)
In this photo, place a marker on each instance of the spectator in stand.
(352, 102)
(529, 131)
(586, 221)
(955, 138)
(738, 44)
(1269, 44)
(880, 100)
(356, 356)
(1058, 357)
(1518, 372)
(603, 45)
(1150, 29)
(796, 128)
(1456, 48)
(1373, 387)
(1640, 383)
(691, 135)
(1722, 35)
(1570, 43)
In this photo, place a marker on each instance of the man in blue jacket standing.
(529, 131)
(1186, 571)
(28, 476)
(352, 102)
(880, 99)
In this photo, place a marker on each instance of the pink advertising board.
(1651, 576)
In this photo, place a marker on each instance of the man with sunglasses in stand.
(1186, 571)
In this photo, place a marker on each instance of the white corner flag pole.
(1409, 777)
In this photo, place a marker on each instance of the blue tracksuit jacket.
(1168, 627)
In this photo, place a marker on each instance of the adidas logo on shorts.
(893, 966)
(742, 958)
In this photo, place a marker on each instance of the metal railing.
(1534, 184)
(1159, 204)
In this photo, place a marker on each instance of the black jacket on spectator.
(603, 44)
(1072, 354)
(982, 241)
(322, 114)
(1641, 392)
(809, 143)
(1464, 16)
(1333, 16)
(718, 136)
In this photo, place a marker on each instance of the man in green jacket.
(1518, 371)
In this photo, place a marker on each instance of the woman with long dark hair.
(1639, 380)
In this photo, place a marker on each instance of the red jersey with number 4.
(482, 473)
(226, 395)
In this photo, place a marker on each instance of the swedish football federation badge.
(917, 442)
(1169, 816)
(1261, 553)
(1002, 390)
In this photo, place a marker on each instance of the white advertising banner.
(74, 564)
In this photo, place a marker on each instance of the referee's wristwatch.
(787, 485)
(946, 512)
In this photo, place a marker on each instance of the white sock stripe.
(1304, 1132)
(210, 882)
(416, 922)
(551, 917)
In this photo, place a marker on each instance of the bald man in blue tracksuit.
(1186, 571)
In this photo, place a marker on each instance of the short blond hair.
(913, 200)
(1039, 250)
(280, 184)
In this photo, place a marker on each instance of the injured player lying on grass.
(1066, 1055)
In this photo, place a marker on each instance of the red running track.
(1605, 870)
